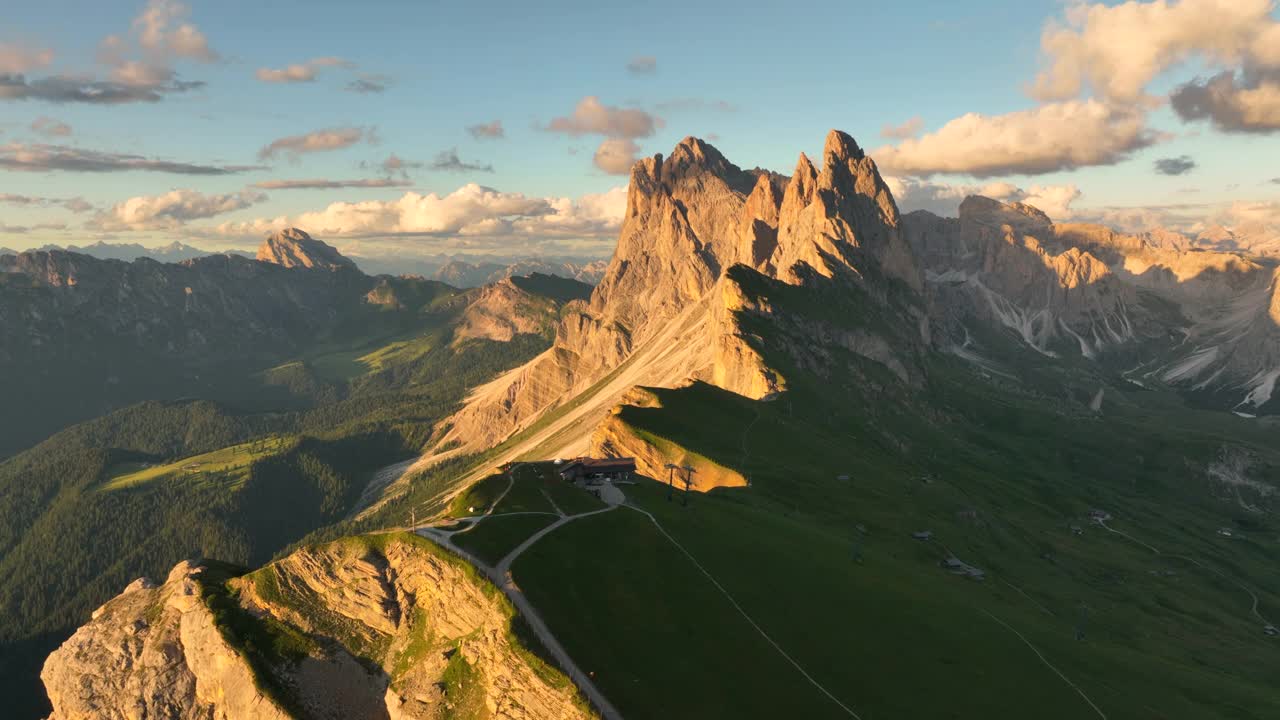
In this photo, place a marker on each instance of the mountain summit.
(707, 255)
(294, 248)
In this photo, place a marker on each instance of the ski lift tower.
(688, 482)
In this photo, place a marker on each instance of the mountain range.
(1029, 466)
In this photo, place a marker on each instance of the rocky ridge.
(1173, 313)
(294, 248)
(670, 307)
(379, 627)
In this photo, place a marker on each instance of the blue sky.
(761, 83)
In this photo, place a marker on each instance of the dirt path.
(1048, 664)
(1253, 609)
(500, 575)
(663, 360)
(743, 613)
(381, 480)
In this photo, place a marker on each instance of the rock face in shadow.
(378, 627)
(668, 309)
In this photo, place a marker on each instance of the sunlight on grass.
(229, 464)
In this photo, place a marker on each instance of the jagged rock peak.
(294, 248)
(840, 146)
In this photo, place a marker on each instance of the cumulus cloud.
(643, 65)
(16, 59)
(44, 158)
(448, 161)
(592, 117)
(50, 127)
(300, 72)
(1180, 165)
(472, 211)
(487, 131)
(1248, 105)
(1117, 50)
(1048, 138)
(616, 155)
(318, 141)
(170, 210)
(908, 129)
(139, 66)
(75, 89)
(322, 184)
(944, 198)
(161, 30)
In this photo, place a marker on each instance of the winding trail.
(1253, 609)
(741, 611)
(500, 575)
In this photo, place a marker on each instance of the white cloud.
(470, 211)
(592, 117)
(21, 59)
(1117, 50)
(944, 198)
(616, 155)
(317, 141)
(50, 127)
(170, 210)
(1048, 138)
(908, 129)
(300, 72)
(162, 32)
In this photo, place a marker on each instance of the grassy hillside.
(828, 568)
(135, 491)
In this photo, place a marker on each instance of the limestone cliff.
(668, 308)
(155, 652)
(369, 627)
(294, 248)
(1171, 312)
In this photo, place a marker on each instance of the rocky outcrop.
(1170, 312)
(294, 248)
(502, 310)
(155, 652)
(462, 274)
(616, 437)
(669, 309)
(843, 216)
(378, 627)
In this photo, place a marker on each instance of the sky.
(405, 127)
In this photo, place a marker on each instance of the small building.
(596, 470)
(1226, 532)
(1271, 630)
(953, 563)
(1099, 515)
(1076, 529)
(922, 535)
